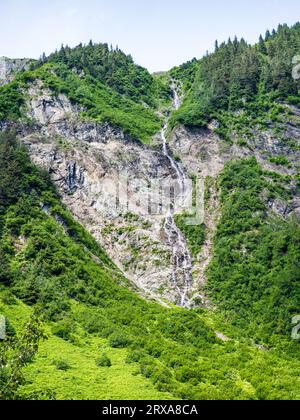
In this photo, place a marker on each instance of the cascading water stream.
(181, 258)
(177, 168)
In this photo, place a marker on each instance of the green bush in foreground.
(61, 364)
(103, 361)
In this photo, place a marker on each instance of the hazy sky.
(158, 33)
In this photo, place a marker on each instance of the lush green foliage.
(18, 176)
(11, 101)
(194, 234)
(185, 73)
(63, 370)
(104, 361)
(254, 276)
(106, 84)
(99, 102)
(113, 68)
(53, 263)
(236, 74)
(15, 353)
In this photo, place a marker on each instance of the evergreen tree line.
(236, 73)
(112, 67)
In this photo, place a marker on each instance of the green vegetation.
(105, 83)
(113, 68)
(61, 364)
(155, 352)
(194, 234)
(44, 379)
(280, 160)
(104, 361)
(16, 353)
(100, 102)
(254, 275)
(185, 73)
(239, 83)
(11, 101)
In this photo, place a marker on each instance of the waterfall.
(181, 258)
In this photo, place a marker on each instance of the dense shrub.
(119, 340)
(61, 364)
(103, 361)
(195, 234)
(11, 100)
(64, 329)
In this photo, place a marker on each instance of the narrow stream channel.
(181, 258)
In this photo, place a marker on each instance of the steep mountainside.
(120, 277)
(253, 148)
(101, 337)
(118, 98)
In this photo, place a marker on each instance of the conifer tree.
(268, 35)
(262, 46)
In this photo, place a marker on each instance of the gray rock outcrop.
(8, 67)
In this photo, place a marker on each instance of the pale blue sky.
(158, 33)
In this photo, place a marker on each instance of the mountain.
(101, 285)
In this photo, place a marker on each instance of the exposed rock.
(9, 66)
(278, 207)
(106, 179)
(222, 337)
(74, 178)
(213, 125)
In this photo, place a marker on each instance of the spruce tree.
(262, 46)
(268, 35)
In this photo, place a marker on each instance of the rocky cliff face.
(205, 154)
(9, 66)
(105, 178)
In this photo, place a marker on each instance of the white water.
(177, 168)
(176, 100)
(181, 258)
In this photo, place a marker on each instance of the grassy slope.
(238, 361)
(84, 380)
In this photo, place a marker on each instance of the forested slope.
(239, 83)
(248, 96)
